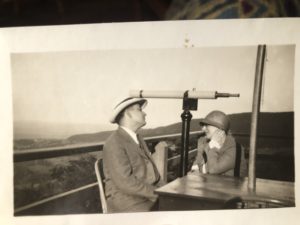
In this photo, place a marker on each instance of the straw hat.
(125, 104)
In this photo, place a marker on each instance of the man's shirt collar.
(131, 134)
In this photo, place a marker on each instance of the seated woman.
(218, 153)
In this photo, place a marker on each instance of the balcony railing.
(58, 204)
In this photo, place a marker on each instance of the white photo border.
(142, 35)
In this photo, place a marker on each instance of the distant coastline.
(47, 130)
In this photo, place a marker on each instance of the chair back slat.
(101, 184)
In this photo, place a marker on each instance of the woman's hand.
(218, 139)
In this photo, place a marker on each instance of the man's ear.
(127, 112)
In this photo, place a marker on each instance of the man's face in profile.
(137, 115)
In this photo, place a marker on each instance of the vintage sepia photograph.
(155, 123)
(64, 122)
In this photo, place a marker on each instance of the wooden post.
(260, 61)
(160, 158)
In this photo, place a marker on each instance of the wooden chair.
(101, 184)
(241, 167)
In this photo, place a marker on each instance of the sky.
(63, 93)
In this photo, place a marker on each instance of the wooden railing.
(46, 153)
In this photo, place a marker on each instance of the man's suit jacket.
(130, 173)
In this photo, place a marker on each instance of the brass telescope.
(180, 94)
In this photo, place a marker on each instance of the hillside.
(273, 124)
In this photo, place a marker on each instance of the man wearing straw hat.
(130, 173)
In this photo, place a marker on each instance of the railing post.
(160, 158)
(186, 117)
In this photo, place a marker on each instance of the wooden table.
(204, 191)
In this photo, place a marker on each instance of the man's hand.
(154, 198)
